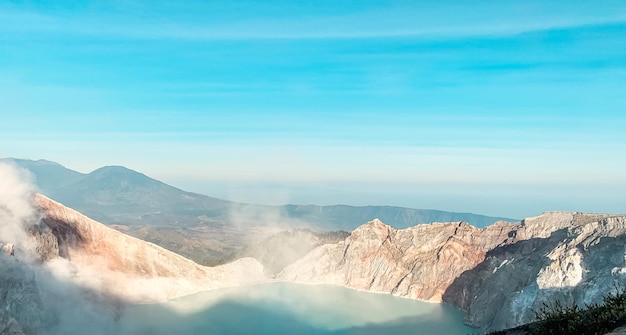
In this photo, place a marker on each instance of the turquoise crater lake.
(285, 308)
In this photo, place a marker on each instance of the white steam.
(16, 206)
(47, 298)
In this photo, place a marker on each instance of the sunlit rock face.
(129, 267)
(499, 275)
(67, 264)
(418, 262)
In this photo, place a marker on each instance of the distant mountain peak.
(45, 161)
(121, 173)
(115, 169)
(117, 194)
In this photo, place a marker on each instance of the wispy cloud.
(367, 90)
(417, 19)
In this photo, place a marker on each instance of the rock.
(418, 262)
(128, 267)
(46, 245)
(8, 325)
(21, 311)
(578, 263)
(498, 275)
(618, 331)
(77, 266)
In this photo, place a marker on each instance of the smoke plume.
(16, 207)
(48, 298)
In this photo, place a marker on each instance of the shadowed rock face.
(20, 304)
(8, 325)
(577, 263)
(497, 274)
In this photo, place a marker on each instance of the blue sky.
(498, 107)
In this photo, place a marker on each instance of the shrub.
(558, 318)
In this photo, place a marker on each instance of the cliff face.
(129, 267)
(570, 257)
(20, 304)
(419, 262)
(71, 266)
(498, 274)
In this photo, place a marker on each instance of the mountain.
(49, 175)
(68, 265)
(349, 217)
(205, 229)
(121, 195)
(498, 275)
(117, 195)
(122, 261)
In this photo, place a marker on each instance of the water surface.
(286, 308)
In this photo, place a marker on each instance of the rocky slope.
(498, 274)
(69, 262)
(20, 303)
(130, 267)
(419, 262)
(204, 229)
(570, 257)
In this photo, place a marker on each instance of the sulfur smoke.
(42, 298)
(16, 207)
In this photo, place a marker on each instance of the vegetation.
(571, 319)
(592, 319)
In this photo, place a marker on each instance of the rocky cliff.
(130, 267)
(20, 303)
(419, 262)
(571, 257)
(498, 274)
(68, 255)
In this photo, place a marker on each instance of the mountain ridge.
(498, 274)
(138, 197)
(119, 259)
(62, 266)
(205, 229)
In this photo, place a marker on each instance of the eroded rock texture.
(72, 265)
(20, 304)
(419, 262)
(499, 274)
(131, 268)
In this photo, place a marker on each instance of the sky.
(506, 108)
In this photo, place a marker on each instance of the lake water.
(284, 308)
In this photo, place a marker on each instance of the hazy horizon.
(504, 109)
(453, 197)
